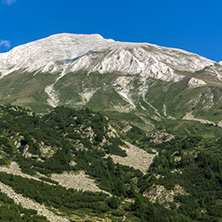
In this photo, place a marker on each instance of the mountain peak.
(94, 53)
(74, 36)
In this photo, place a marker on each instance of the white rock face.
(193, 83)
(50, 54)
(122, 85)
(87, 94)
(71, 52)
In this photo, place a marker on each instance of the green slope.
(191, 163)
(153, 101)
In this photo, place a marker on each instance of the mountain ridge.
(74, 46)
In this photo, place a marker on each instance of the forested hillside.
(183, 182)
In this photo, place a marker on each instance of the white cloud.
(5, 43)
(8, 2)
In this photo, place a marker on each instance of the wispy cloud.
(5, 43)
(8, 2)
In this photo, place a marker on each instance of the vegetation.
(9, 211)
(49, 143)
(198, 170)
(55, 196)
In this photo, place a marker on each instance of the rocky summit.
(71, 52)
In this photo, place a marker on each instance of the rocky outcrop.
(160, 137)
(193, 83)
(158, 193)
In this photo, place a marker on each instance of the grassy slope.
(27, 89)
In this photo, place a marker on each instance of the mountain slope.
(46, 161)
(148, 82)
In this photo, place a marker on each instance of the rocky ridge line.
(72, 52)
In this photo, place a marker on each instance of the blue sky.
(192, 25)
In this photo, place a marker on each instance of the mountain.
(146, 83)
(98, 130)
